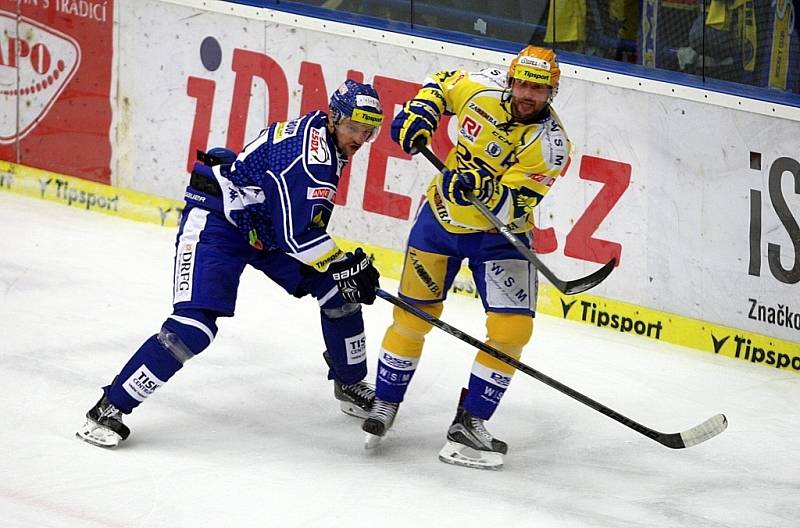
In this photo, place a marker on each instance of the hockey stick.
(697, 434)
(567, 287)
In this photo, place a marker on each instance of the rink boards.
(696, 193)
(613, 315)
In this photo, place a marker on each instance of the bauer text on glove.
(356, 277)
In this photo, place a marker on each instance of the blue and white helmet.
(358, 102)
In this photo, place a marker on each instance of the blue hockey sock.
(184, 334)
(486, 388)
(343, 331)
(394, 375)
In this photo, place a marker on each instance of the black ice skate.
(356, 399)
(104, 427)
(470, 444)
(380, 419)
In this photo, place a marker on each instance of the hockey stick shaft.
(700, 433)
(567, 287)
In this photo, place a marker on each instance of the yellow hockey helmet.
(536, 65)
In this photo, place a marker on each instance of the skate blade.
(351, 409)
(98, 435)
(461, 455)
(371, 441)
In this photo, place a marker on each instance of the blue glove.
(356, 277)
(478, 181)
(416, 121)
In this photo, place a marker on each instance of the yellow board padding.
(672, 328)
(604, 313)
(88, 195)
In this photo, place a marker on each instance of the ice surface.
(248, 434)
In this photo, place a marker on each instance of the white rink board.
(684, 222)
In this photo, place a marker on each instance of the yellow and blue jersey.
(525, 158)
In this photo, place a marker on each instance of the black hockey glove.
(356, 277)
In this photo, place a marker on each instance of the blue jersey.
(279, 192)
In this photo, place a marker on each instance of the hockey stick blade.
(566, 287)
(581, 285)
(688, 438)
(700, 433)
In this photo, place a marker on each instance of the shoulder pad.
(444, 76)
(490, 76)
(316, 118)
(286, 129)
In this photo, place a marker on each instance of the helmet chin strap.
(506, 97)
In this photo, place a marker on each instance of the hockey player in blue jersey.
(268, 207)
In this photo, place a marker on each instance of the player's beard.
(525, 109)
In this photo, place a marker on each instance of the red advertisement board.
(55, 85)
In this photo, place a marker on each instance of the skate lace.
(110, 411)
(383, 411)
(359, 390)
(477, 428)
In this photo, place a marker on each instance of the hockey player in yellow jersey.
(511, 148)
